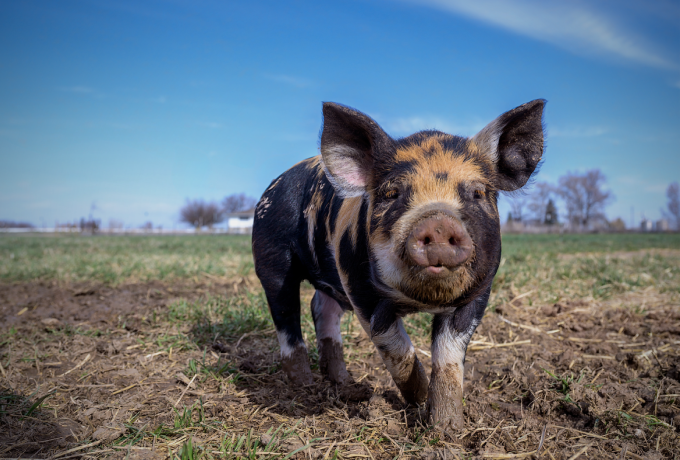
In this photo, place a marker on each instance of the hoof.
(296, 367)
(331, 363)
(414, 389)
(447, 417)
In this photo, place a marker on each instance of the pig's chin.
(435, 285)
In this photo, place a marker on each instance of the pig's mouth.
(436, 269)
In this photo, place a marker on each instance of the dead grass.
(189, 369)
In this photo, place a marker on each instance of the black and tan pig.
(387, 227)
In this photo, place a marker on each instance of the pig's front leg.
(399, 356)
(450, 337)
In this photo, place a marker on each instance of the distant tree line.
(13, 224)
(200, 213)
(583, 197)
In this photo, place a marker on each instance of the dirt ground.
(596, 379)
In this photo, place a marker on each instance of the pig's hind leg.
(281, 283)
(327, 315)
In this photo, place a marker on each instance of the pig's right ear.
(350, 144)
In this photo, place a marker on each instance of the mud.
(597, 375)
(54, 304)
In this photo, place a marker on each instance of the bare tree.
(518, 204)
(200, 214)
(673, 212)
(538, 201)
(238, 202)
(584, 197)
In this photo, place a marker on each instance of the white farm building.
(241, 222)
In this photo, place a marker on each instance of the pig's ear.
(350, 144)
(514, 142)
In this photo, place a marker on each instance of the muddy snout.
(439, 241)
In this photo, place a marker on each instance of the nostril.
(452, 242)
(426, 240)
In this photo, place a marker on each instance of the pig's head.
(434, 231)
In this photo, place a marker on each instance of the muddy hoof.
(331, 363)
(447, 419)
(336, 371)
(296, 367)
(415, 388)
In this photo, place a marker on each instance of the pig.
(387, 227)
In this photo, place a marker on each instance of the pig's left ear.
(514, 142)
(350, 145)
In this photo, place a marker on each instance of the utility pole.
(632, 217)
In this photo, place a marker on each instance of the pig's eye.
(479, 194)
(392, 194)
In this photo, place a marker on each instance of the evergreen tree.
(550, 213)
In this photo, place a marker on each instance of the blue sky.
(138, 105)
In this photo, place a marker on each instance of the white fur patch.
(286, 349)
(449, 348)
(396, 344)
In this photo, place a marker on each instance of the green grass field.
(119, 259)
(205, 291)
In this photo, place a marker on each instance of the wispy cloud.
(298, 82)
(574, 25)
(410, 125)
(577, 131)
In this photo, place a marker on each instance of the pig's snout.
(437, 242)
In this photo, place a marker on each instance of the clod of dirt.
(70, 429)
(393, 428)
(374, 413)
(220, 347)
(674, 373)
(666, 411)
(109, 347)
(50, 322)
(129, 373)
(248, 366)
(265, 439)
(490, 449)
(377, 401)
(632, 330)
(355, 392)
(292, 444)
(108, 433)
(550, 310)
